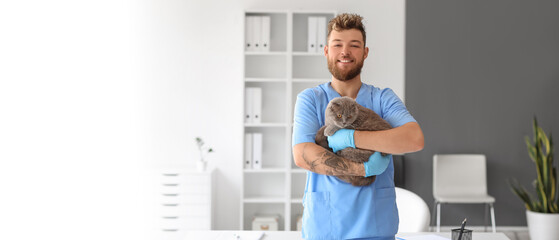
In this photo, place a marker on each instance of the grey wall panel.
(476, 74)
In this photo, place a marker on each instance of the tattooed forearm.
(338, 165)
(312, 164)
(327, 163)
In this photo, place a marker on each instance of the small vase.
(202, 166)
(543, 226)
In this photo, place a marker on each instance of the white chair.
(460, 178)
(413, 212)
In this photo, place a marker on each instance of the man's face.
(346, 53)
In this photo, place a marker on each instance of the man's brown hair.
(346, 21)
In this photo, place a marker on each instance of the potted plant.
(542, 212)
(204, 150)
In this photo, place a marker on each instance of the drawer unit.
(184, 200)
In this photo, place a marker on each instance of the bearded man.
(334, 209)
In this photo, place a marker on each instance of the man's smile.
(345, 61)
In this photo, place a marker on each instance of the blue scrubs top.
(334, 209)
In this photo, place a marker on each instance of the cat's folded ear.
(335, 102)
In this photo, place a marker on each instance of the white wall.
(194, 78)
(71, 124)
(93, 94)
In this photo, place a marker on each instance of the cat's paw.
(329, 131)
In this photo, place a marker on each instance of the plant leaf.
(522, 194)
(540, 150)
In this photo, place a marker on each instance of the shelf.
(296, 200)
(265, 170)
(268, 125)
(310, 67)
(274, 80)
(281, 73)
(266, 53)
(265, 11)
(298, 170)
(311, 80)
(318, 54)
(264, 65)
(264, 200)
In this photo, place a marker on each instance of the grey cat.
(344, 112)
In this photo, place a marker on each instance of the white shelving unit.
(281, 73)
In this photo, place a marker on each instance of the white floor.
(514, 233)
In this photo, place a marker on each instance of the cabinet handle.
(170, 194)
(171, 217)
(170, 184)
(169, 229)
(170, 174)
(170, 204)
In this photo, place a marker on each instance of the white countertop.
(294, 235)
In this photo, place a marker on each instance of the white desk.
(293, 235)
(475, 235)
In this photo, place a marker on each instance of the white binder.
(265, 36)
(312, 34)
(321, 34)
(257, 150)
(248, 105)
(249, 41)
(256, 105)
(257, 33)
(248, 151)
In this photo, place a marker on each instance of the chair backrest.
(413, 212)
(459, 174)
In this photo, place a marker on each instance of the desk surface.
(294, 235)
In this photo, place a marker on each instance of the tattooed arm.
(315, 158)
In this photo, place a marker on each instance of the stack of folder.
(257, 34)
(253, 150)
(253, 105)
(253, 141)
(317, 34)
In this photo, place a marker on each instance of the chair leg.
(433, 214)
(485, 217)
(493, 218)
(439, 217)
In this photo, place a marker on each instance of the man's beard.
(340, 74)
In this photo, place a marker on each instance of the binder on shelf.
(321, 34)
(312, 34)
(248, 151)
(265, 34)
(248, 105)
(257, 150)
(249, 40)
(257, 33)
(257, 105)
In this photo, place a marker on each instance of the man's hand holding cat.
(377, 164)
(341, 139)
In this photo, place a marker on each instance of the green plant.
(203, 149)
(541, 153)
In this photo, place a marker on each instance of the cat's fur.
(344, 112)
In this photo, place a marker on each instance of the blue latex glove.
(376, 164)
(341, 139)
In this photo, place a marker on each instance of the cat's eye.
(339, 115)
